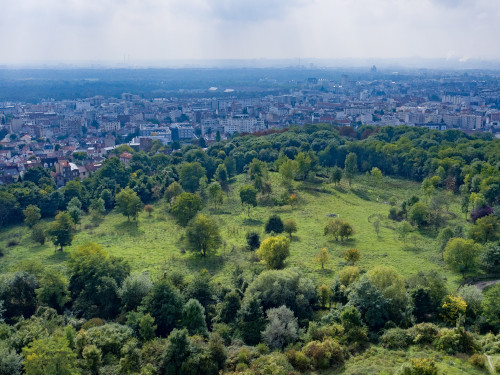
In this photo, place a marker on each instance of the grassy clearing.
(155, 245)
(377, 360)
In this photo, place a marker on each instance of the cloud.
(159, 30)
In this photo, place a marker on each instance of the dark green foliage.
(253, 240)
(423, 308)
(186, 207)
(53, 291)
(490, 260)
(274, 224)
(10, 361)
(202, 235)
(251, 320)
(193, 318)
(18, 295)
(248, 196)
(164, 303)
(370, 302)
(229, 307)
(190, 175)
(61, 230)
(134, 288)
(396, 339)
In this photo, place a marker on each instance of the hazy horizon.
(145, 33)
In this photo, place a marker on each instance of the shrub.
(299, 360)
(418, 366)
(456, 340)
(328, 353)
(275, 224)
(396, 338)
(423, 333)
(478, 360)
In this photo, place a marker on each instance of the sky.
(136, 32)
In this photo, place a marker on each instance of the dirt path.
(491, 365)
(483, 284)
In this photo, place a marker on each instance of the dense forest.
(94, 313)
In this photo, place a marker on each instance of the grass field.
(156, 244)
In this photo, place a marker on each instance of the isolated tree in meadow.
(215, 194)
(248, 196)
(273, 251)
(351, 166)
(190, 174)
(274, 224)
(462, 255)
(202, 235)
(404, 229)
(336, 175)
(61, 230)
(253, 240)
(323, 257)
(149, 209)
(128, 203)
(352, 255)
(31, 215)
(290, 226)
(376, 175)
(186, 207)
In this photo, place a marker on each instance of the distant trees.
(128, 203)
(202, 235)
(273, 251)
(186, 207)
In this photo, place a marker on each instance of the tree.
(172, 191)
(176, 352)
(251, 320)
(281, 328)
(248, 196)
(336, 175)
(202, 235)
(273, 251)
(376, 175)
(38, 233)
(76, 214)
(186, 207)
(53, 291)
(215, 194)
(338, 228)
(49, 355)
(349, 275)
(404, 229)
(491, 307)
(149, 209)
(323, 257)
(18, 295)
(253, 240)
(189, 176)
(304, 163)
(452, 308)
(370, 302)
(97, 207)
(352, 256)
(133, 289)
(462, 255)
(222, 177)
(94, 281)
(129, 204)
(351, 166)
(290, 226)
(31, 215)
(346, 230)
(274, 225)
(10, 361)
(193, 318)
(61, 230)
(419, 214)
(486, 229)
(288, 170)
(164, 303)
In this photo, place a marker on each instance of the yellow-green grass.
(156, 243)
(377, 360)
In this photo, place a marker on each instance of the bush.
(328, 353)
(478, 360)
(423, 333)
(396, 338)
(456, 340)
(12, 243)
(274, 224)
(299, 360)
(496, 366)
(418, 366)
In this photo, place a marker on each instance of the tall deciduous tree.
(462, 255)
(273, 251)
(202, 235)
(215, 194)
(129, 204)
(186, 207)
(31, 215)
(190, 174)
(248, 196)
(351, 166)
(61, 230)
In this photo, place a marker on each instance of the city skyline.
(178, 32)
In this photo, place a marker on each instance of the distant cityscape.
(73, 137)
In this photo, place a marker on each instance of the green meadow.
(155, 244)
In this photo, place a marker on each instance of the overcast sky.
(34, 31)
